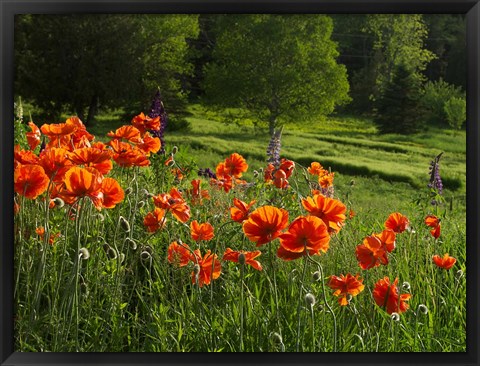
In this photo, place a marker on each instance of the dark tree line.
(277, 68)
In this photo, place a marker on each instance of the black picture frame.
(8, 10)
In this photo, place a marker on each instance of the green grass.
(140, 302)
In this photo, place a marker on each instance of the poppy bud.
(145, 255)
(148, 249)
(241, 259)
(395, 317)
(423, 309)
(171, 162)
(256, 173)
(111, 253)
(141, 204)
(352, 183)
(101, 217)
(128, 191)
(459, 274)
(83, 253)
(276, 338)
(122, 258)
(124, 224)
(83, 288)
(131, 243)
(174, 150)
(106, 247)
(196, 269)
(310, 299)
(316, 276)
(58, 202)
(405, 286)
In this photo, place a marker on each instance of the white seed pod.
(310, 299)
(395, 317)
(83, 253)
(423, 309)
(406, 286)
(58, 202)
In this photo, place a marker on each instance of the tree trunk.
(272, 123)
(92, 111)
(79, 112)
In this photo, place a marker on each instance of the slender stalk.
(299, 307)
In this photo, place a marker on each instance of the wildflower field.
(139, 241)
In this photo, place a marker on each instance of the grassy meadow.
(107, 284)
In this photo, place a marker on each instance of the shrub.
(456, 112)
(435, 95)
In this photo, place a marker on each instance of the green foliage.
(277, 67)
(456, 111)
(435, 95)
(397, 109)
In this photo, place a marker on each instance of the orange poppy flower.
(240, 212)
(265, 224)
(173, 202)
(93, 157)
(306, 235)
(144, 123)
(202, 231)
(41, 233)
(387, 238)
(33, 137)
(179, 254)
(233, 255)
(129, 133)
(434, 222)
(30, 180)
(149, 144)
(55, 162)
(371, 253)
(24, 157)
(280, 179)
(205, 274)
(326, 180)
(345, 285)
(81, 137)
(113, 194)
(315, 168)
(225, 183)
(397, 222)
(125, 155)
(446, 262)
(330, 210)
(155, 220)
(268, 173)
(387, 296)
(56, 130)
(84, 182)
(235, 165)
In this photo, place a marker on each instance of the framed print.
(239, 182)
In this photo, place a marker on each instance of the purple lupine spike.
(273, 149)
(435, 178)
(158, 110)
(207, 173)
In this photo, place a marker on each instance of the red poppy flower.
(287, 166)
(235, 165)
(196, 194)
(233, 255)
(206, 264)
(144, 123)
(280, 179)
(387, 296)
(33, 137)
(155, 220)
(315, 168)
(268, 173)
(180, 254)
(330, 210)
(202, 231)
(93, 157)
(434, 222)
(125, 155)
(265, 224)
(446, 262)
(129, 133)
(225, 183)
(56, 130)
(371, 253)
(175, 203)
(240, 212)
(345, 285)
(113, 194)
(84, 182)
(41, 233)
(30, 180)
(397, 222)
(305, 235)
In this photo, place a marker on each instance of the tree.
(397, 109)
(80, 63)
(277, 67)
(456, 111)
